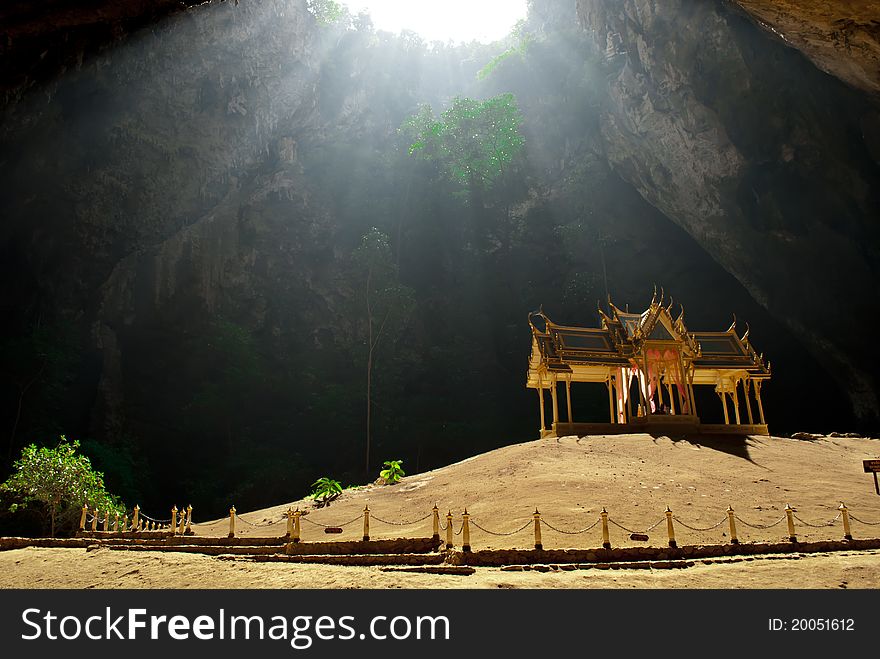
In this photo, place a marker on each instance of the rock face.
(842, 38)
(216, 171)
(739, 140)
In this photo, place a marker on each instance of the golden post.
(174, 519)
(465, 531)
(733, 539)
(366, 523)
(789, 514)
(182, 518)
(670, 529)
(82, 518)
(844, 512)
(116, 521)
(95, 520)
(449, 530)
(231, 522)
(125, 522)
(105, 522)
(135, 523)
(289, 522)
(436, 513)
(296, 515)
(189, 516)
(606, 539)
(538, 545)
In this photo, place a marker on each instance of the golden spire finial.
(669, 308)
(654, 296)
(662, 295)
(732, 325)
(745, 337)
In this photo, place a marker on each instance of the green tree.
(474, 142)
(385, 304)
(326, 12)
(59, 480)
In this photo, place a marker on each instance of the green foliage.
(60, 480)
(523, 41)
(393, 472)
(474, 142)
(326, 12)
(325, 489)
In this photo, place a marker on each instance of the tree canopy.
(61, 480)
(474, 142)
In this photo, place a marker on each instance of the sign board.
(639, 536)
(873, 466)
(333, 529)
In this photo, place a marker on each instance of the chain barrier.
(460, 529)
(331, 526)
(590, 527)
(699, 529)
(443, 526)
(158, 521)
(384, 521)
(242, 519)
(817, 526)
(861, 521)
(760, 526)
(501, 534)
(650, 528)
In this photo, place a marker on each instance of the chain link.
(331, 526)
(650, 528)
(242, 519)
(861, 521)
(699, 529)
(500, 534)
(759, 526)
(817, 526)
(550, 526)
(384, 521)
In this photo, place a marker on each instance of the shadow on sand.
(735, 445)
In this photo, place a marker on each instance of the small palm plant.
(324, 490)
(393, 472)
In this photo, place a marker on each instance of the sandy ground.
(77, 568)
(635, 477)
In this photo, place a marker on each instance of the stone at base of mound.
(597, 557)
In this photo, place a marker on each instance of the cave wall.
(188, 201)
(761, 157)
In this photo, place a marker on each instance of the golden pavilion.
(650, 364)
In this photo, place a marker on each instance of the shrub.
(393, 472)
(325, 489)
(59, 481)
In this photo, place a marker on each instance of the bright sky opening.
(457, 20)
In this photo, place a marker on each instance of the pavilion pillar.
(684, 392)
(568, 397)
(629, 402)
(758, 398)
(671, 399)
(724, 404)
(693, 394)
(643, 379)
(541, 404)
(555, 403)
(746, 386)
(610, 398)
(735, 397)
